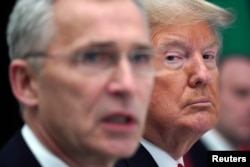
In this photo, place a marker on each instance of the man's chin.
(124, 150)
(201, 124)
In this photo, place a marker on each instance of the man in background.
(234, 122)
(184, 103)
(233, 129)
(82, 73)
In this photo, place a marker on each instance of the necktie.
(188, 161)
(180, 165)
(244, 147)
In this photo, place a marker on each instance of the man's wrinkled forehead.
(169, 35)
(68, 12)
(80, 21)
(90, 7)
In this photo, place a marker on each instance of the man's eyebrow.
(101, 45)
(107, 45)
(179, 43)
(212, 44)
(172, 42)
(140, 46)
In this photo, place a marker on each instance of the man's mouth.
(119, 119)
(120, 122)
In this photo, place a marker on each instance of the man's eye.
(139, 58)
(242, 93)
(170, 58)
(142, 57)
(91, 57)
(173, 58)
(208, 57)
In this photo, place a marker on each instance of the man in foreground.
(82, 72)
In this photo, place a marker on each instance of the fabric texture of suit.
(141, 158)
(17, 154)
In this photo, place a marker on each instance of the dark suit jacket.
(197, 155)
(141, 158)
(17, 154)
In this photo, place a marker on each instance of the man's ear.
(23, 82)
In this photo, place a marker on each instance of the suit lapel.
(142, 158)
(17, 154)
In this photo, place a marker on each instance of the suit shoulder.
(15, 153)
(142, 158)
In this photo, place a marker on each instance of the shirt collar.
(213, 140)
(162, 158)
(41, 153)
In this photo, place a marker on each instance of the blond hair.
(186, 12)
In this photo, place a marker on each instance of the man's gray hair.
(31, 26)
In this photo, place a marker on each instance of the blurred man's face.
(88, 105)
(185, 96)
(234, 119)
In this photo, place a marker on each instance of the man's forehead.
(236, 61)
(181, 34)
(235, 68)
(80, 22)
(92, 7)
(67, 12)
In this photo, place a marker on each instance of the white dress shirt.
(213, 140)
(162, 158)
(41, 153)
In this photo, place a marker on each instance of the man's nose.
(123, 79)
(200, 75)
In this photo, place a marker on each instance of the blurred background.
(237, 37)
(9, 117)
